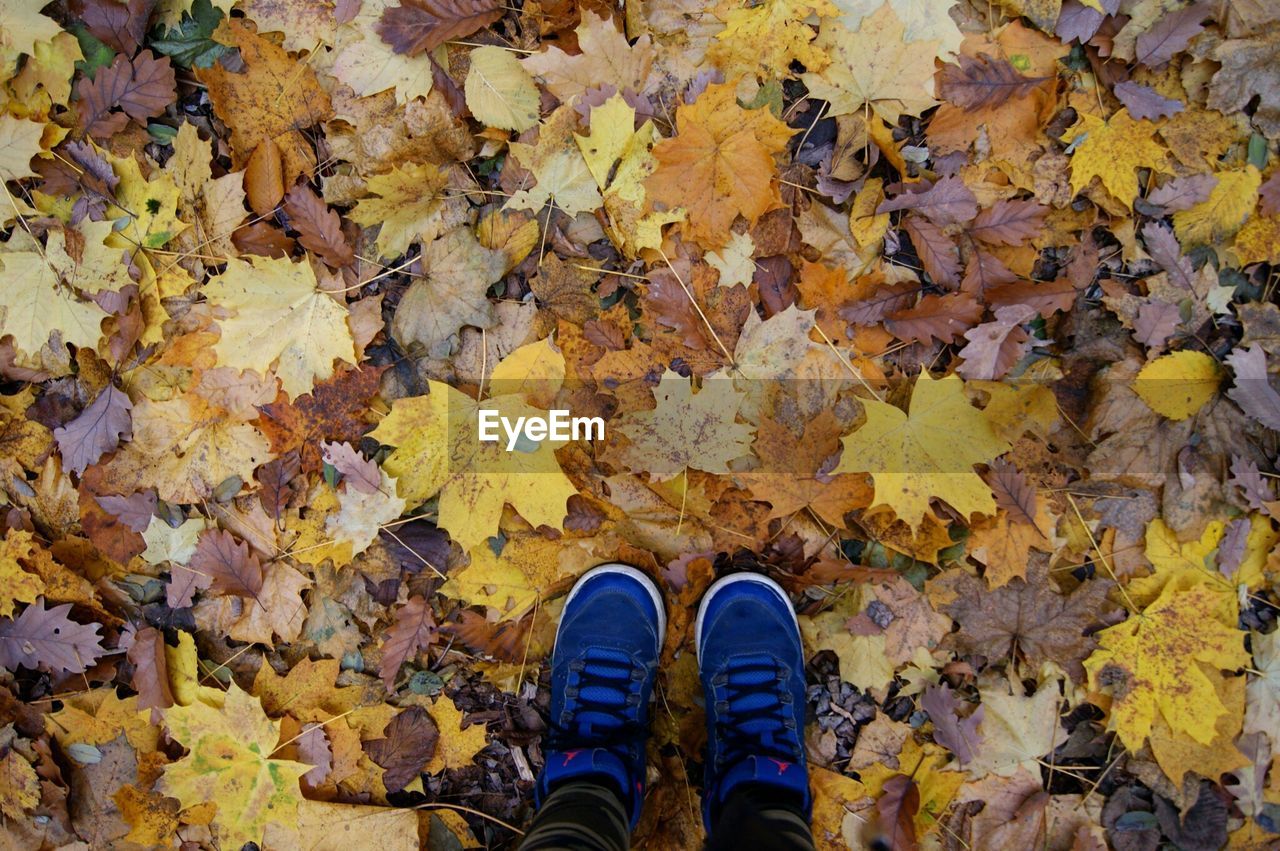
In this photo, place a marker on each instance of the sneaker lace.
(602, 701)
(754, 710)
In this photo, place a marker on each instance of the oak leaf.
(946, 202)
(408, 743)
(996, 347)
(319, 228)
(926, 453)
(48, 640)
(141, 88)
(719, 165)
(414, 630)
(97, 430)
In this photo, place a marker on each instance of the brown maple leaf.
(1027, 617)
(331, 411)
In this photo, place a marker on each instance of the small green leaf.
(191, 44)
(96, 54)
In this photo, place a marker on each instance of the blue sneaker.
(752, 668)
(602, 674)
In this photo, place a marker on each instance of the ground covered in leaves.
(957, 319)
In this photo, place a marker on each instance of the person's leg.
(580, 816)
(602, 675)
(761, 818)
(751, 663)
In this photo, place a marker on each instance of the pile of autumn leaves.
(218, 430)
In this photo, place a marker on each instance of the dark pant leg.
(757, 818)
(580, 816)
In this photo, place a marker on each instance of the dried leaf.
(408, 743)
(319, 228)
(983, 82)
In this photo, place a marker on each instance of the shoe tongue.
(766, 771)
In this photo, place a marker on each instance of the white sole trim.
(639, 576)
(721, 584)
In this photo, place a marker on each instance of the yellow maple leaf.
(16, 585)
(720, 164)
(406, 203)
(1188, 564)
(273, 97)
(620, 159)
(923, 20)
(1218, 217)
(561, 173)
(280, 315)
(370, 65)
(229, 762)
(19, 142)
(1178, 384)
(438, 450)
(185, 448)
(926, 766)
(499, 92)
(767, 37)
(1152, 663)
(874, 66)
(1258, 241)
(604, 57)
(19, 786)
(686, 429)
(152, 817)
(510, 581)
(833, 796)
(146, 209)
(456, 747)
(927, 453)
(1113, 151)
(22, 25)
(36, 304)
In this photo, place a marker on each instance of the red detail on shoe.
(782, 766)
(568, 757)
